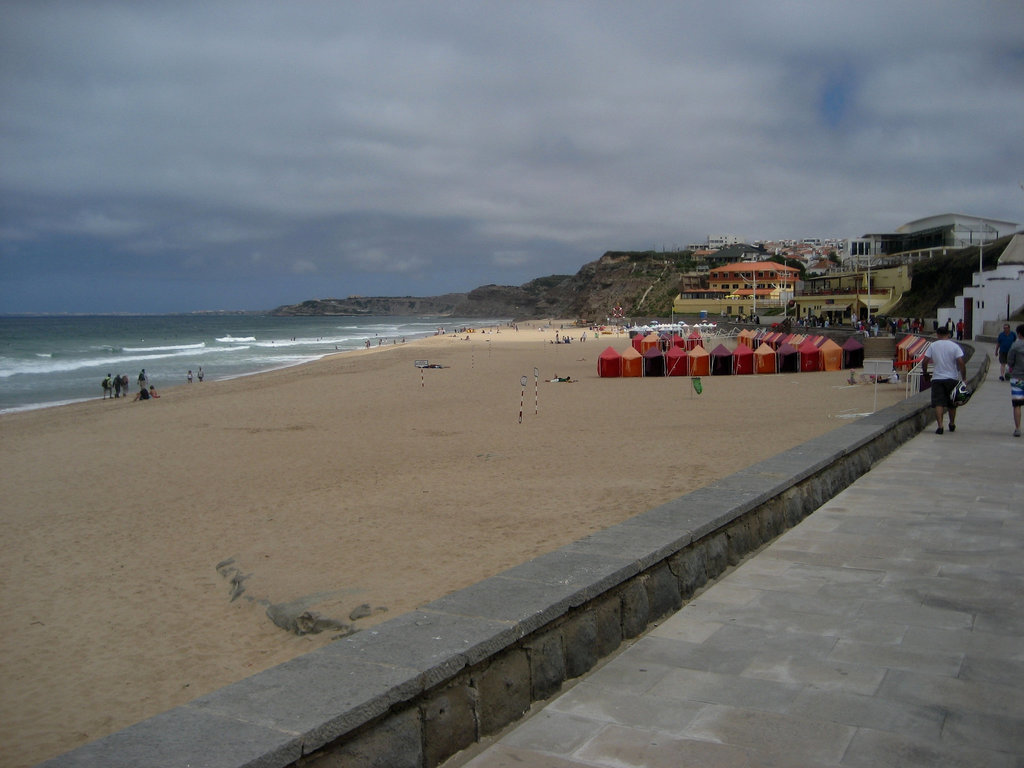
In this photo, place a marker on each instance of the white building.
(947, 230)
(993, 296)
(720, 241)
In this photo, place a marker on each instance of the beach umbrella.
(810, 356)
(700, 362)
(632, 363)
(609, 364)
(654, 362)
(677, 362)
(742, 360)
(721, 361)
(766, 359)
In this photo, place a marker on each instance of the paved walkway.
(887, 629)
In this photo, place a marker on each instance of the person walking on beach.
(1015, 373)
(948, 359)
(117, 385)
(142, 379)
(188, 378)
(108, 387)
(1003, 343)
(200, 374)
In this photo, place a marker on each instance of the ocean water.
(47, 361)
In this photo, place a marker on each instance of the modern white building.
(946, 230)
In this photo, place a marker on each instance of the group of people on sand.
(116, 386)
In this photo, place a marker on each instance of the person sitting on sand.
(147, 394)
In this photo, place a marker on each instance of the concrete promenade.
(886, 629)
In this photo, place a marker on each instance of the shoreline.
(76, 395)
(354, 480)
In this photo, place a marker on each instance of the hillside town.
(830, 281)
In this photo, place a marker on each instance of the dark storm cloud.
(179, 156)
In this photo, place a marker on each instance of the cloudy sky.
(179, 156)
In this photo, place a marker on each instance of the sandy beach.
(357, 484)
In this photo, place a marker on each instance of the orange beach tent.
(831, 356)
(632, 363)
(700, 362)
(766, 359)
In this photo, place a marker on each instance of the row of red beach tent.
(654, 355)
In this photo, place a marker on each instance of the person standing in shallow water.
(948, 359)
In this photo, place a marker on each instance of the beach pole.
(536, 391)
(522, 397)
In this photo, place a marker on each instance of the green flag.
(697, 386)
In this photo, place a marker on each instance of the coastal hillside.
(640, 282)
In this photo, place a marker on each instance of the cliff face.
(642, 283)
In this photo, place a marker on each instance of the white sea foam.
(168, 348)
(46, 365)
(229, 339)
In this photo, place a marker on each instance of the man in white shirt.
(948, 359)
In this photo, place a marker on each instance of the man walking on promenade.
(1003, 343)
(948, 359)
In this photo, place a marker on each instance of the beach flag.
(697, 386)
